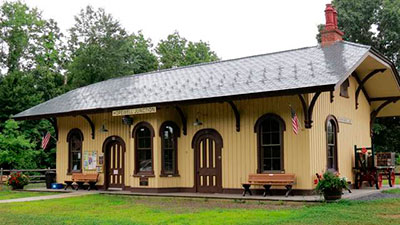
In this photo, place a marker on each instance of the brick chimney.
(331, 33)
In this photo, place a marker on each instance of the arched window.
(75, 139)
(269, 129)
(331, 143)
(169, 133)
(143, 134)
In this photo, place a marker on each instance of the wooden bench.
(80, 179)
(3, 179)
(268, 180)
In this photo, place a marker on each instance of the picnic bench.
(80, 179)
(268, 180)
(3, 179)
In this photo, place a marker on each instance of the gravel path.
(376, 196)
(39, 198)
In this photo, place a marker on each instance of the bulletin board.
(90, 160)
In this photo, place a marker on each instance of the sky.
(233, 28)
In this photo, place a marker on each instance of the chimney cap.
(331, 33)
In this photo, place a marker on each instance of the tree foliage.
(375, 23)
(28, 41)
(177, 51)
(31, 61)
(16, 150)
(101, 49)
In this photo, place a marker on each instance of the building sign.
(126, 112)
(344, 120)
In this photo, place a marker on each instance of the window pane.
(265, 127)
(76, 161)
(266, 139)
(330, 126)
(267, 165)
(276, 151)
(270, 138)
(274, 125)
(168, 144)
(276, 164)
(332, 145)
(331, 150)
(275, 138)
(169, 160)
(330, 163)
(141, 142)
(144, 142)
(75, 148)
(144, 160)
(267, 152)
(144, 132)
(331, 138)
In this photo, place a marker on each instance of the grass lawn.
(7, 193)
(392, 191)
(385, 182)
(107, 209)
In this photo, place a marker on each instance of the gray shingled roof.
(293, 69)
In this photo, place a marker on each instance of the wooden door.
(208, 173)
(115, 163)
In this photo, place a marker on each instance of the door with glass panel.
(207, 150)
(115, 162)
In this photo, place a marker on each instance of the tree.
(31, 65)
(375, 23)
(28, 41)
(101, 49)
(16, 151)
(177, 51)
(31, 59)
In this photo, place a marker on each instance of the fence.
(35, 175)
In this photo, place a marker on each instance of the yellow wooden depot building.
(206, 127)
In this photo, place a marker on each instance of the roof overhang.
(289, 92)
(384, 86)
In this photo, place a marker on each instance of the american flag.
(45, 140)
(295, 121)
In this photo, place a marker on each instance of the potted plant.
(17, 180)
(330, 185)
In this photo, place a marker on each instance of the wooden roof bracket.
(308, 110)
(53, 122)
(375, 113)
(237, 115)
(87, 118)
(183, 118)
(362, 83)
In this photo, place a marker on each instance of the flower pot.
(334, 195)
(17, 187)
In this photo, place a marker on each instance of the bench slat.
(85, 177)
(271, 179)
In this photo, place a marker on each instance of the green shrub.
(331, 183)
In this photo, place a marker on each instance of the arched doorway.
(207, 145)
(114, 156)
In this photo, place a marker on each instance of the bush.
(17, 180)
(331, 183)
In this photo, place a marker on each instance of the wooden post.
(1, 179)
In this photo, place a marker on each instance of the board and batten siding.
(356, 133)
(239, 152)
